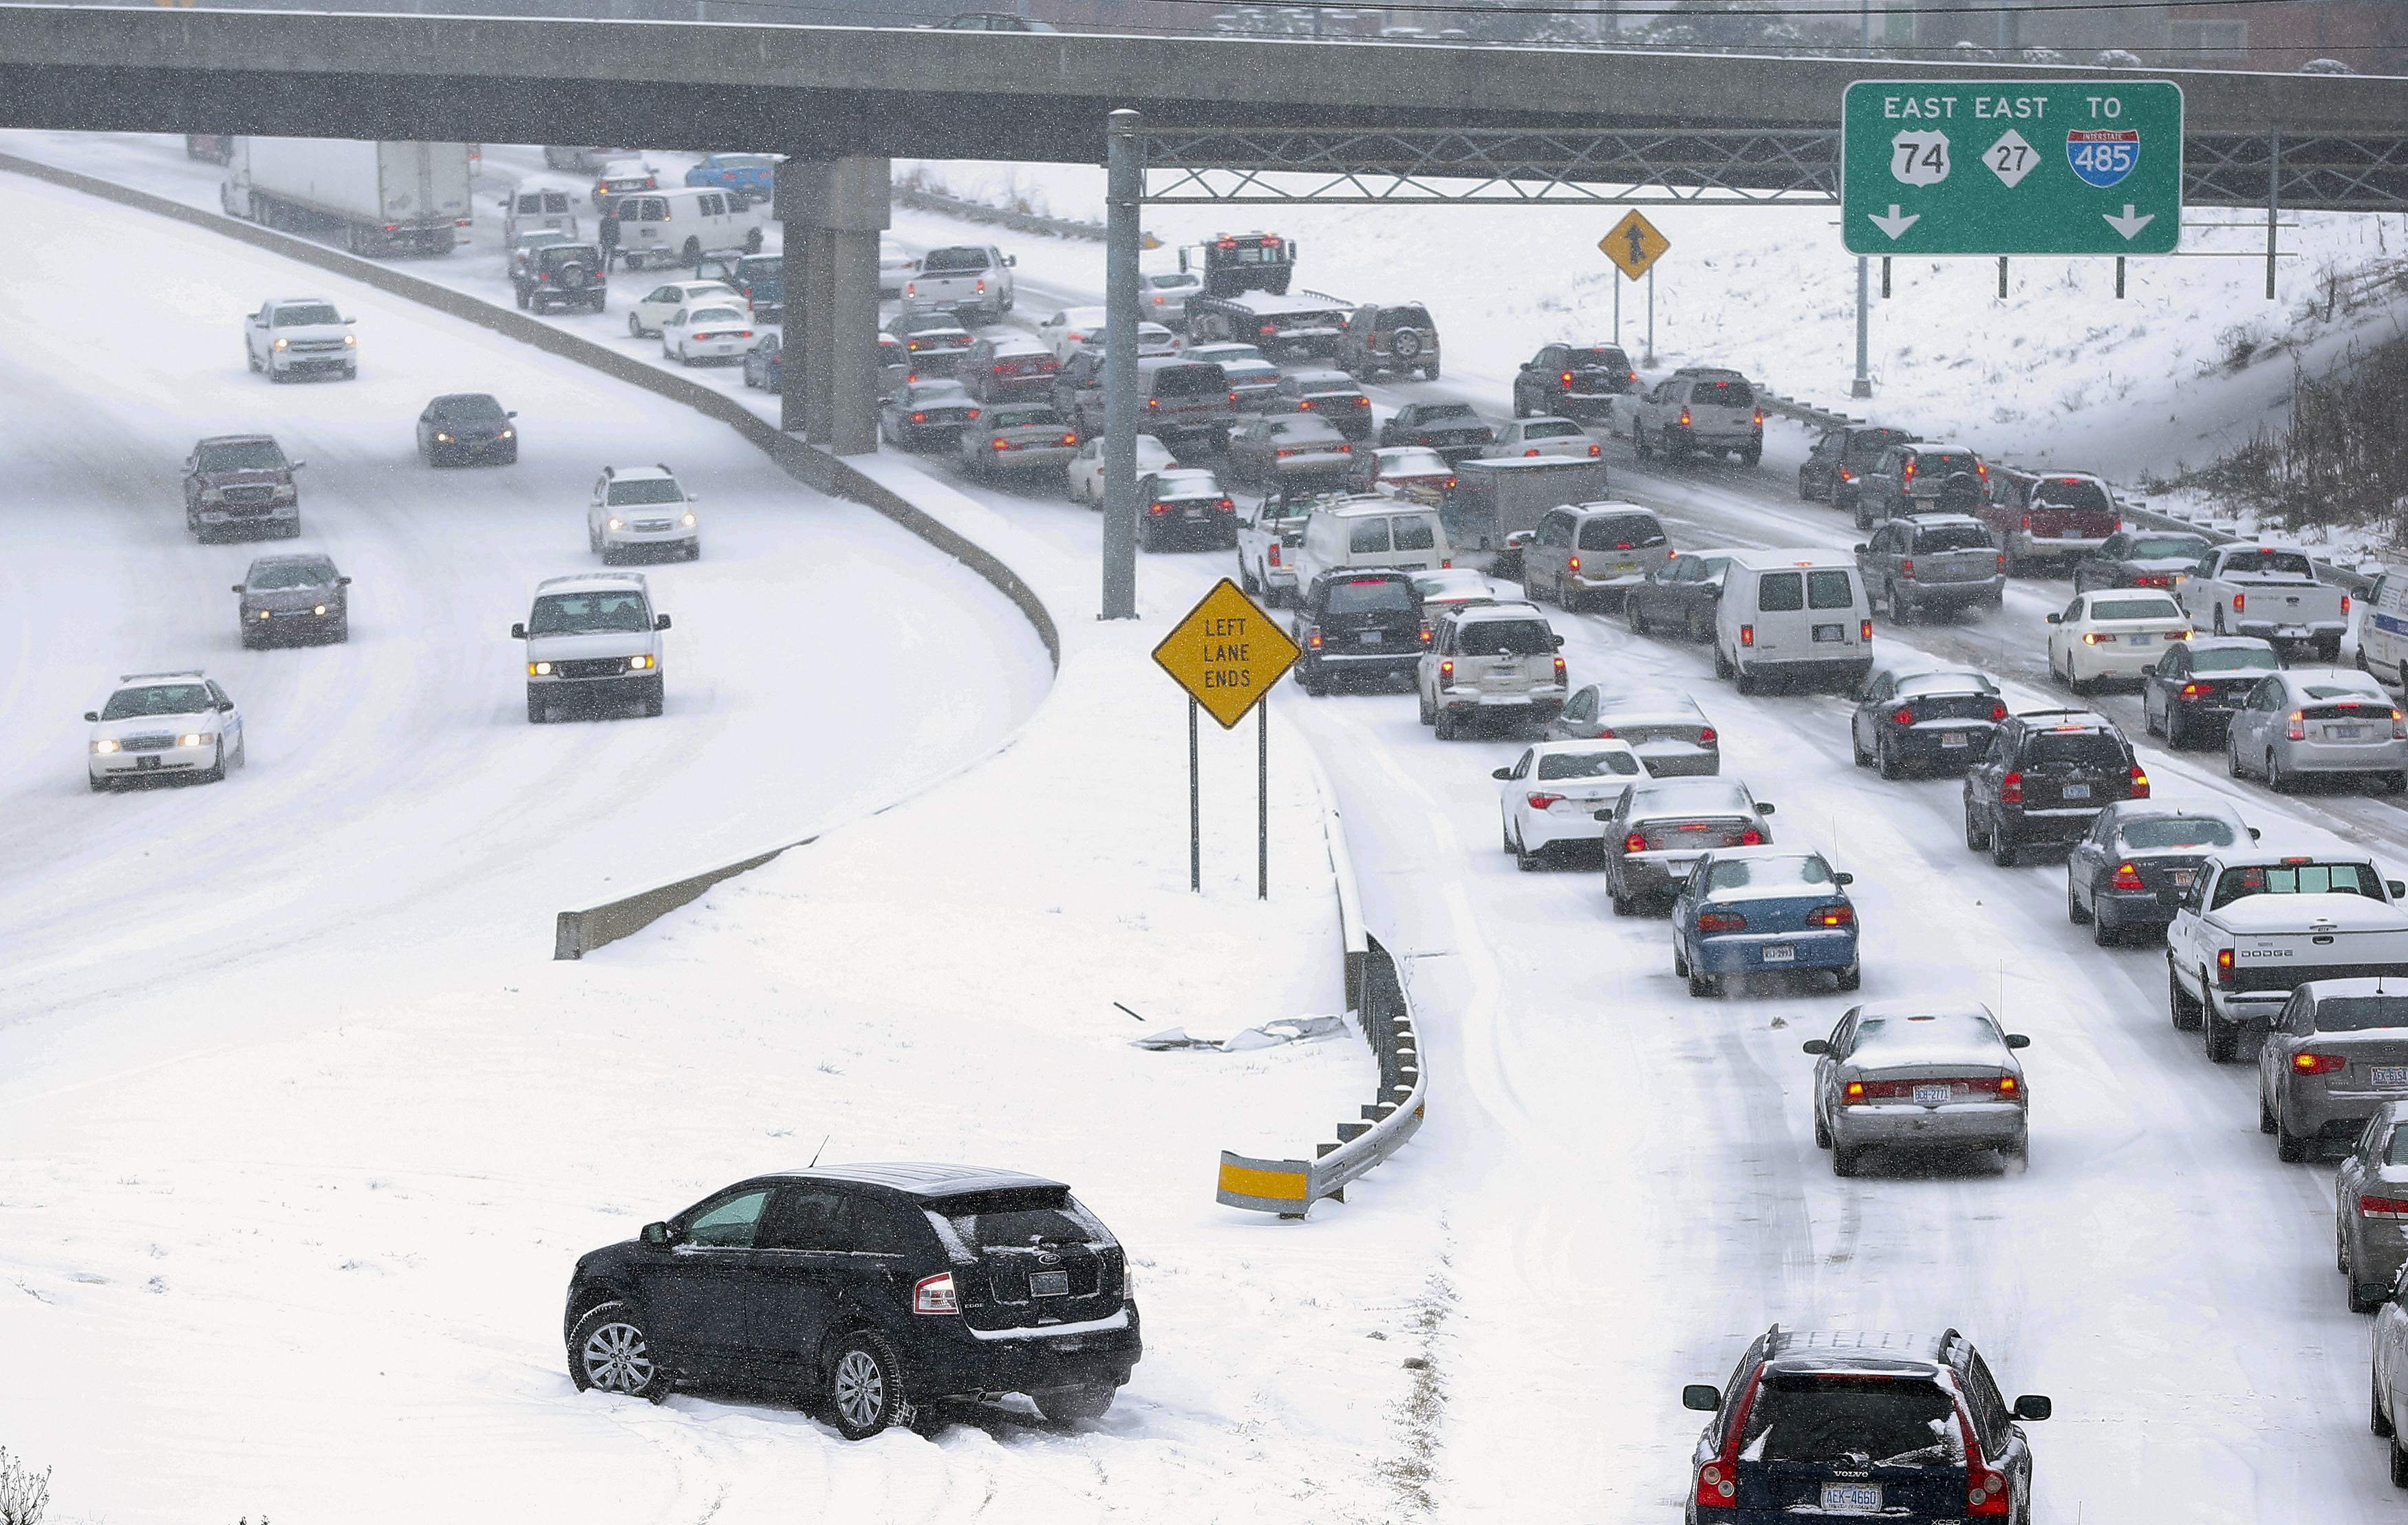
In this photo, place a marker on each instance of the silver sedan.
(1919, 1074)
(2337, 1052)
(2319, 721)
(2370, 1209)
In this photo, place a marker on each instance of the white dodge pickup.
(2268, 592)
(2257, 923)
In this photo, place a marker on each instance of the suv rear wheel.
(865, 1390)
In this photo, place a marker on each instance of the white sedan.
(1548, 799)
(1074, 329)
(1085, 472)
(1542, 437)
(896, 269)
(662, 302)
(716, 332)
(2112, 634)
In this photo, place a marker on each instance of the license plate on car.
(1780, 953)
(141, 762)
(2292, 633)
(1955, 738)
(2077, 791)
(1049, 1283)
(1626, 567)
(1372, 638)
(2344, 732)
(2181, 878)
(2391, 1077)
(2139, 640)
(1196, 513)
(1931, 1095)
(1830, 633)
(1852, 1498)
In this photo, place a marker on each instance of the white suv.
(641, 509)
(161, 723)
(1489, 658)
(592, 641)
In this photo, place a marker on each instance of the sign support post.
(1863, 385)
(1194, 807)
(1229, 654)
(1651, 316)
(1262, 801)
(1634, 246)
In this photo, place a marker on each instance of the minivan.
(1369, 531)
(1593, 547)
(676, 227)
(1800, 616)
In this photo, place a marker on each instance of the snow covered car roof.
(927, 1180)
(594, 581)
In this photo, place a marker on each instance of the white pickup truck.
(2255, 923)
(2268, 592)
(971, 280)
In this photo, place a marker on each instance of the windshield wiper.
(1937, 1450)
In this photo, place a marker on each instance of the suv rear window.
(2086, 497)
(1867, 445)
(1940, 468)
(1780, 592)
(1939, 537)
(1599, 355)
(1189, 380)
(2094, 751)
(1620, 532)
(1371, 596)
(1723, 394)
(1414, 317)
(1824, 1417)
(1505, 638)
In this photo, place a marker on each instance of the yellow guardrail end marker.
(1273, 1185)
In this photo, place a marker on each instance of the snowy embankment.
(292, 1215)
(2058, 372)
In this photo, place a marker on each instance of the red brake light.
(936, 1294)
(2299, 730)
(1574, 564)
(1272, 559)
(1997, 713)
(1906, 569)
(1901, 715)
(919, 418)
(1831, 916)
(2002, 561)
(2139, 783)
(2127, 877)
(2192, 691)
(2390, 1208)
(1069, 439)
(1985, 1492)
(1445, 674)
(1707, 736)
(1760, 417)
(1559, 669)
(1312, 638)
(2224, 966)
(1635, 842)
(1747, 634)
(2345, 605)
(2011, 789)
(1721, 921)
(1270, 328)
(1568, 378)
(1228, 505)
(1594, 448)
(1542, 802)
(1865, 629)
(2318, 1063)
(1529, 452)
(2239, 602)
(1752, 837)
(1685, 418)
(1159, 508)
(1908, 473)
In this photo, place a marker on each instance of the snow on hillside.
(2059, 371)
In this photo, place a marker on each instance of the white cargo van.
(1793, 616)
(2382, 628)
(1368, 530)
(677, 227)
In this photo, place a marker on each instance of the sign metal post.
(1227, 654)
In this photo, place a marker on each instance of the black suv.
(2046, 776)
(1359, 624)
(1905, 1427)
(873, 1289)
(1402, 338)
(1572, 381)
(563, 276)
(1920, 478)
(1836, 466)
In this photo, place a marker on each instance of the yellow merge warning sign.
(1227, 653)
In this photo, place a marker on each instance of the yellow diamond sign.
(1227, 653)
(1634, 245)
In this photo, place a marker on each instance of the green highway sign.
(2008, 166)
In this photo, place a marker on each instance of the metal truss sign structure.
(1623, 166)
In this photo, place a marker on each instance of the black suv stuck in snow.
(872, 1288)
(1903, 1428)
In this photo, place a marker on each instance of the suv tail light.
(1542, 802)
(1717, 1486)
(1747, 634)
(1906, 473)
(2318, 1063)
(1573, 566)
(2011, 789)
(1271, 557)
(1760, 417)
(1559, 669)
(2139, 783)
(2027, 523)
(1685, 418)
(2398, 725)
(1568, 378)
(936, 1294)
(1427, 635)
(1865, 629)
(1312, 638)
(2224, 966)
(1721, 921)
(1707, 736)
(1986, 1493)
(2002, 562)
(2392, 1209)
(2128, 876)
(1446, 674)
(1901, 715)
(2345, 605)
(1906, 569)
(1831, 916)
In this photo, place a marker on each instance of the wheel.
(99, 785)
(2378, 1418)
(1856, 753)
(1701, 985)
(2176, 730)
(2074, 907)
(2398, 1463)
(2104, 933)
(635, 329)
(2219, 619)
(2231, 758)
(1064, 1406)
(1822, 1133)
(1429, 372)
(2219, 1037)
(2329, 650)
(1633, 615)
(1805, 493)
(1850, 978)
(865, 1390)
(2396, 781)
(1902, 607)
(1722, 663)
(1844, 1159)
(752, 246)
(1700, 629)
(1521, 408)
(216, 774)
(1976, 840)
(2276, 779)
(537, 713)
(2018, 1148)
(2002, 845)
(654, 697)
(1619, 896)
(611, 1350)
(1428, 708)
(2289, 1147)
(1864, 520)
(690, 254)
(1524, 859)
(1445, 724)
(1742, 679)
(1639, 442)
(1314, 684)
(1505, 833)
(2181, 1007)
(2266, 1125)
(1886, 754)
(1752, 455)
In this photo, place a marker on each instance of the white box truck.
(387, 198)
(1497, 503)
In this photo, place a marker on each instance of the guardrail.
(1376, 997)
(577, 932)
(975, 211)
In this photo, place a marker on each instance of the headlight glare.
(321, 609)
(350, 341)
(688, 522)
(195, 738)
(282, 344)
(105, 746)
(637, 665)
(614, 524)
(538, 669)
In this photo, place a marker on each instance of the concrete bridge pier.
(833, 211)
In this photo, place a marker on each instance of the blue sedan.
(1763, 910)
(749, 175)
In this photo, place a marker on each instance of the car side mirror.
(1764, 809)
(1011, 258)
(1817, 1045)
(657, 1234)
(225, 707)
(2397, 887)
(511, 413)
(92, 715)
(1560, 642)
(237, 586)
(348, 321)
(660, 621)
(2018, 1040)
(1861, 547)
(1844, 881)
(1602, 815)
(342, 582)
(2255, 833)
(517, 632)
(296, 466)
(1501, 772)
(2056, 619)
(693, 497)
(1701, 1397)
(2033, 1407)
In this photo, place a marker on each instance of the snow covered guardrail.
(973, 211)
(1375, 994)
